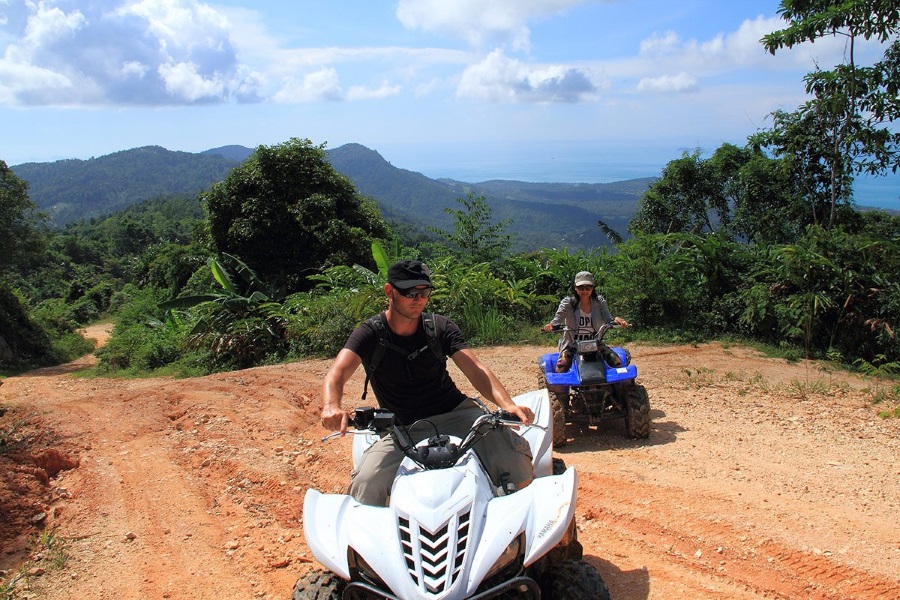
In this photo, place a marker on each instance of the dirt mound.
(760, 479)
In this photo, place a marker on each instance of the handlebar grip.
(508, 416)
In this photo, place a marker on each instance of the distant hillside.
(235, 153)
(566, 212)
(71, 190)
(403, 196)
(540, 215)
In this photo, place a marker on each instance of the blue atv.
(592, 391)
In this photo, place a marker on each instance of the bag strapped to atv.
(379, 324)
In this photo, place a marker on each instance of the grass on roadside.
(48, 553)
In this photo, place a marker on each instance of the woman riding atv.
(581, 315)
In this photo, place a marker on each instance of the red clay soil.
(760, 479)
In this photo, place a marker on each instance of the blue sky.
(410, 78)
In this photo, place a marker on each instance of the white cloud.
(323, 84)
(430, 86)
(680, 83)
(17, 79)
(183, 82)
(740, 49)
(133, 67)
(499, 78)
(666, 63)
(144, 52)
(480, 22)
(248, 85)
(181, 25)
(49, 25)
(386, 90)
(172, 52)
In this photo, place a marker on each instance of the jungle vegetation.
(760, 242)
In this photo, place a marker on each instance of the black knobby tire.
(319, 585)
(637, 412)
(559, 466)
(573, 580)
(558, 401)
(558, 410)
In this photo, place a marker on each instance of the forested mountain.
(547, 215)
(71, 190)
(233, 152)
(539, 215)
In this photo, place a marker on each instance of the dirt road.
(760, 479)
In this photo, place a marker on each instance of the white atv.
(448, 532)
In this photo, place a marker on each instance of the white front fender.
(538, 438)
(325, 529)
(552, 508)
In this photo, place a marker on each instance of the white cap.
(584, 278)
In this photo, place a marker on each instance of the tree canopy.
(19, 220)
(738, 192)
(845, 129)
(287, 213)
(474, 238)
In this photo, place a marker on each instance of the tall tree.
(766, 206)
(474, 238)
(686, 199)
(20, 235)
(286, 213)
(809, 141)
(737, 192)
(853, 105)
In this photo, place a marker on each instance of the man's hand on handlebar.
(335, 419)
(523, 413)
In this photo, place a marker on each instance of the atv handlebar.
(601, 331)
(439, 452)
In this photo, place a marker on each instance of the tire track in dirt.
(671, 525)
(754, 480)
(156, 543)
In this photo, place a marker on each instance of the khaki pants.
(501, 452)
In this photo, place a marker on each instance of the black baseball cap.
(407, 274)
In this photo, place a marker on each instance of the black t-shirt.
(412, 389)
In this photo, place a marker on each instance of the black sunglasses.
(414, 292)
(584, 287)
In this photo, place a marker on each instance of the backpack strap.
(431, 337)
(377, 322)
(384, 342)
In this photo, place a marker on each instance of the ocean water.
(881, 192)
(576, 162)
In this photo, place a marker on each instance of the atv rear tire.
(637, 412)
(319, 585)
(573, 580)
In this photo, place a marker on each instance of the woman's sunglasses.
(584, 288)
(414, 292)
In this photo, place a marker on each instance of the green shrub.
(319, 324)
(143, 339)
(483, 326)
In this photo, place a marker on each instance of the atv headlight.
(359, 565)
(586, 346)
(512, 554)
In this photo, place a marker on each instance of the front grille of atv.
(435, 559)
